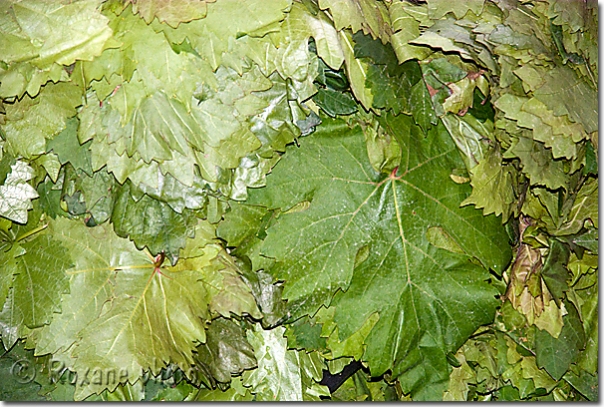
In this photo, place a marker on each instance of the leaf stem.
(32, 232)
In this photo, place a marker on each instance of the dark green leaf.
(421, 106)
(556, 354)
(335, 103)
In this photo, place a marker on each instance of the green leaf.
(171, 12)
(553, 131)
(352, 346)
(556, 354)
(588, 359)
(282, 374)
(66, 146)
(389, 82)
(39, 280)
(277, 377)
(369, 16)
(406, 28)
(326, 39)
(538, 164)
(226, 350)
(37, 38)
(421, 106)
(82, 34)
(383, 149)
(151, 223)
(585, 383)
(585, 206)
(588, 240)
(357, 71)
(18, 370)
(469, 134)
(235, 393)
(438, 8)
(554, 272)
(125, 313)
(30, 121)
(213, 37)
(492, 186)
(304, 334)
(565, 93)
(353, 206)
(335, 103)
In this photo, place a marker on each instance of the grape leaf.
(37, 38)
(17, 367)
(67, 148)
(565, 93)
(213, 36)
(126, 314)
(556, 354)
(585, 206)
(277, 377)
(226, 350)
(30, 121)
(335, 103)
(438, 8)
(39, 281)
(282, 374)
(366, 15)
(553, 131)
(356, 70)
(406, 28)
(171, 12)
(16, 194)
(421, 106)
(538, 164)
(352, 206)
(151, 223)
(64, 32)
(492, 186)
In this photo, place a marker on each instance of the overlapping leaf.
(125, 312)
(37, 38)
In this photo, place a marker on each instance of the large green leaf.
(127, 313)
(353, 208)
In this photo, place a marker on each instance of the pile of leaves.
(240, 200)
